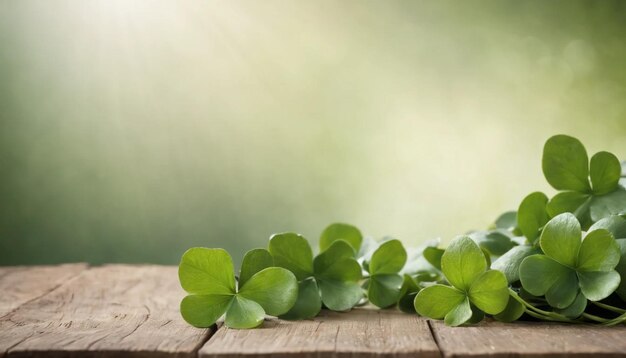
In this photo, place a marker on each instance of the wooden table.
(132, 311)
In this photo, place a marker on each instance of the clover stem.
(539, 313)
(609, 307)
(594, 318)
(616, 320)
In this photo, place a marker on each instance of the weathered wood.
(21, 284)
(359, 333)
(526, 339)
(116, 310)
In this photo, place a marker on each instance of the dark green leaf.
(510, 262)
(244, 313)
(538, 273)
(507, 221)
(570, 202)
(621, 269)
(433, 256)
(565, 164)
(337, 263)
(459, 314)
(384, 289)
(597, 286)
(339, 295)
(576, 308)
(605, 171)
(308, 304)
(512, 312)
(598, 252)
(532, 215)
(616, 225)
(408, 291)
(613, 203)
(390, 257)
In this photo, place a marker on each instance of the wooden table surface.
(132, 311)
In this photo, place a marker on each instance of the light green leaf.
(340, 296)
(597, 286)
(532, 215)
(340, 231)
(576, 308)
(292, 251)
(598, 252)
(437, 301)
(621, 269)
(308, 304)
(274, 288)
(539, 272)
(613, 203)
(390, 257)
(564, 290)
(512, 312)
(561, 239)
(490, 292)
(605, 171)
(510, 262)
(462, 262)
(383, 290)
(244, 313)
(459, 314)
(203, 310)
(565, 164)
(254, 261)
(337, 263)
(207, 271)
(569, 202)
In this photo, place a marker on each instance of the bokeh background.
(132, 130)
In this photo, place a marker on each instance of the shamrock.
(589, 189)
(208, 276)
(340, 231)
(331, 278)
(616, 225)
(384, 283)
(474, 290)
(569, 266)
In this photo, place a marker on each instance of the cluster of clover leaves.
(555, 259)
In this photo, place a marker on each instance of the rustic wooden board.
(526, 339)
(116, 310)
(21, 284)
(359, 333)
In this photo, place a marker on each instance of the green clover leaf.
(385, 282)
(331, 278)
(494, 242)
(340, 231)
(408, 291)
(208, 276)
(532, 215)
(590, 190)
(616, 225)
(569, 264)
(465, 267)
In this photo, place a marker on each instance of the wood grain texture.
(115, 310)
(526, 339)
(21, 284)
(359, 333)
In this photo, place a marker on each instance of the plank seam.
(433, 333)
(210, 333)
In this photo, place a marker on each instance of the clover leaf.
(340, 231)
(331, 278)
(590, 190)
(384, 282)
(465, 267)
(569, 264)
(532, 215)
(616, 225)
(208, 276)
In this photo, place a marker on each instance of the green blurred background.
(132, 130)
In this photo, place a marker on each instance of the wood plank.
(21, 284)
(359, 333)
(528, 339)
(114, 310)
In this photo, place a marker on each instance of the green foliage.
(208, 276)
(561, 259)
(465, 268)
